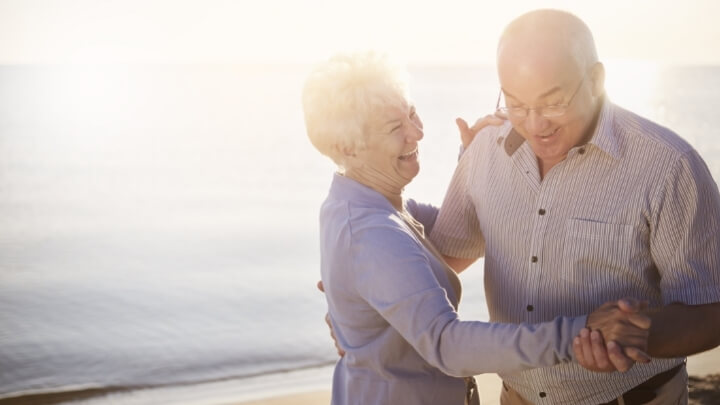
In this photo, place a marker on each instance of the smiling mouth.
(549, 135)
(410, 155)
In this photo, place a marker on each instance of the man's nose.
(535, 123)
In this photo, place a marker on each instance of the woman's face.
(390, 159)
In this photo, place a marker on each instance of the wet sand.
(704, 370)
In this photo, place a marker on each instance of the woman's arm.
(393, 274)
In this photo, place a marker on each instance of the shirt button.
(530, 308)
(541, 211)
(543, 394)
(534, 259)
(581, 151)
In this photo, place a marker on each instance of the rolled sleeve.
(426, 214)
(457, 231)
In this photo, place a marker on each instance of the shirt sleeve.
(426, 214)
(394, 276)
(457, 231)
(685, 233)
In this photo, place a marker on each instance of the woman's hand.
(340, 351)
(467, 134)
(626, 329)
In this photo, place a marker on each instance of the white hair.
(341, 97)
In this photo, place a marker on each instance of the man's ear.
(597, 76)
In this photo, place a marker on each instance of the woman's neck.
(380, 183)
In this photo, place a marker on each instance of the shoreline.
(225, 391)
(310, 387)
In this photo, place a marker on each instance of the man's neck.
(544, 166)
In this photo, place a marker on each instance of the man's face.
(540, 76)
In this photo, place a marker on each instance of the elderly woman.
(392, 299)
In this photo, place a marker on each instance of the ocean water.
(158, 224)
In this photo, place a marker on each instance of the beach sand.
(704, 369)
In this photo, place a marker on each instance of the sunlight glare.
(632, 84)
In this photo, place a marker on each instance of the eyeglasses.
(548, 111)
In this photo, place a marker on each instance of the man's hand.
(626, 331)
(340, 351)
(467, 134)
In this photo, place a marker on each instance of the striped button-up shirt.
(633, 213)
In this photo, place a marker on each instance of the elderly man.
(577, 201)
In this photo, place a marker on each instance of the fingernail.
(611, 345)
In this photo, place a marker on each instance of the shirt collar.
(604, 137)
(345, 188)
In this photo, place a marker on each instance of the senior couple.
(575, 204)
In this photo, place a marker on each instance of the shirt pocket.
(596, 251)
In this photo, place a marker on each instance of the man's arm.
(685, 246)
(674, 332)
(680, 330)
(458, 264)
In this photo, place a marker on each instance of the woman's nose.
(416, 134)
(417, 130)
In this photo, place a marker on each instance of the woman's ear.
(349, 156)
(347, 151)
(597, 75)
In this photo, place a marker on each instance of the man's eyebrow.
(547, 93)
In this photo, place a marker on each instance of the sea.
(159, 223)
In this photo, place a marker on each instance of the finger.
(327, 321)
(637, 355)
(320, 286)
(587, 347)
(629, 304)
(618, 359)
(640, 320)
(484, 122)
(462, 125)
(599, 351)
(465, 135)
(577, 349)
(628, 335)
(501, 115)
(339, 349)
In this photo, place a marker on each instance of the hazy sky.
(417, 31)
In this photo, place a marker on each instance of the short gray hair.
(342, 95)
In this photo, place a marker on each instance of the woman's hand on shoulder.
(467, 133)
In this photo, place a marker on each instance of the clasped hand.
(625, 328)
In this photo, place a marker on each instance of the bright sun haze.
(286, 31)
